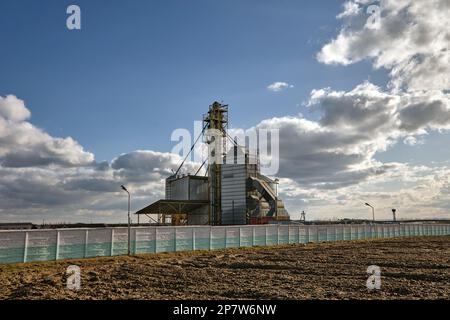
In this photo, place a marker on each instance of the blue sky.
(139, 69)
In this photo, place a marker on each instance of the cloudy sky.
(362, 105)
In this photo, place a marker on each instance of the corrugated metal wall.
(187, 188)
(198, 189)
(234, 197)
(179, 189)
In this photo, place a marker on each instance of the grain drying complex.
(232, 192)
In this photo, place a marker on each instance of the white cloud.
(13, 109)
(279, 86)
(411, 141)
(415, 191)
(24, 145)
(320, 161)
(325, 165)
(350, 9)
(45, 177)
(412, 42)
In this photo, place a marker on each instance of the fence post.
(174, 239)
(57, 245)
(86, 239)
(253, 236)
(156, 239)
(112, 242)
(210, 238)
(135, 240)
(193, 239)
(25, 250)
(278, 234)
(225, 237)
(239, 234)
(289, 234)
(265, 235)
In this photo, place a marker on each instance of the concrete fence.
(44, 245)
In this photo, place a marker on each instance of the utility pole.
(393, 213)
(373, 211)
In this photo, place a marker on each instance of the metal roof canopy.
(173, 207)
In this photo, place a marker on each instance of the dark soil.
(411, 268)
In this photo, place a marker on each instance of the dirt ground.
(411, 268)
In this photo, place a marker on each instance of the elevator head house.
(232, 192)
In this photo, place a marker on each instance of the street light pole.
(373, 211)
(129, 219)
(393, 213)
(276, 198)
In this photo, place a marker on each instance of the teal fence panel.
(331, 233)
(259, 233)
(12, 246)
(99, 243)
(303, 234)
(202, 238)
(339, 233)
(353, 232)
(165, 239)
(233, 237)
(71, 244)
(246, 236)
(218, 238)
(184, 239)
(42, 245)
(283, 234)
(347, 233)
(294, 234)
(145, 240)
(119, 242)
(380, 232)
(313, 234)
(272, 235)
(322, 234)
(359, 232)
